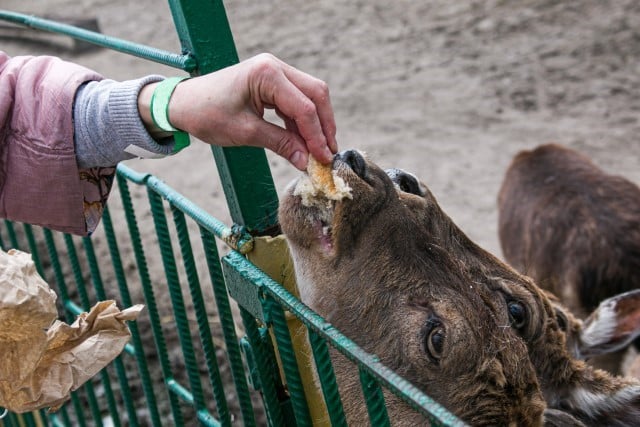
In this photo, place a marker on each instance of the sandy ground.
(448, 90)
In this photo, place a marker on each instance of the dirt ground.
(450, 90)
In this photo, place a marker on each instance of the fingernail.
(299, 159)
(328, 154)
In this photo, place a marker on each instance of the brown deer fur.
(574, 229)
(392, 271)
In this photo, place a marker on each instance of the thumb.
(283, 142)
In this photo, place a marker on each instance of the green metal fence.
(198, 370)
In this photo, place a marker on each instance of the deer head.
(392, 271)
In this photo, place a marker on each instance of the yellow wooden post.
(272, 255)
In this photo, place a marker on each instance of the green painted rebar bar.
(201, 316)
(72, 256)
(11, 232)
(289, 362)
(86, 306)
(44, 418)
(65, 416)
(33, 248)
(374, 398)
(228, 326)
(29, 420)
(2, 244)
(177, 301)
(56, 422)
(147, 289)
(396, 384)
(327, 378)
(12, 420)
(184, 62)
(62, 289)
(143, 369)
(186, 396)
(180, 391)
(101, 295)
(266, 368)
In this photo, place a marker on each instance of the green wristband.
(160, 111)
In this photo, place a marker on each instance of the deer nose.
(354, 160)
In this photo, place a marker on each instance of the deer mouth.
(324, 233)
(318, 212)
(317, 208)
(314, 199)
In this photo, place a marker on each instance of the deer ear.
(612, 326)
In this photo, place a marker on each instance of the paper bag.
(43, 359)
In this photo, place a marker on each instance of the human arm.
(64, 128)
(40, 182)
(226, 108)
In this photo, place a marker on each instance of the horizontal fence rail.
(183, 62)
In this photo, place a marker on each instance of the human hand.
(226, 108)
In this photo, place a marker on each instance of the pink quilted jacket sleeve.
(40, 182)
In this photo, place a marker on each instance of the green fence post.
(204, 32)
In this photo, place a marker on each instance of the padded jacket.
(40, 181)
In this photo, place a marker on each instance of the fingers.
(226, 108)
(283, 142)
(318, 92)
(303, 102)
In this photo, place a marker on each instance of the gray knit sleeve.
(107, 126)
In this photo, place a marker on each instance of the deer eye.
(434, 339)
(517, 314)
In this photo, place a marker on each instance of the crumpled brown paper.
(42, 359)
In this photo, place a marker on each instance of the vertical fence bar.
(289, 363)
(177, 301)
(228, 326)
(3, 245)
(145, 378)
(101, 295)
(33, 247)
(204, 31)
(201, 316)
(11, 232)
(327, 378)
(374, 398)
(86, 306)
(28, 419)
(149, 297)
(62, 289)
(266, 367)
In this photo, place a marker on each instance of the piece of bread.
(321, 177)
(321, 183)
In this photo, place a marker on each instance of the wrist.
(178, 104)
(159, 108)
(144, 109)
